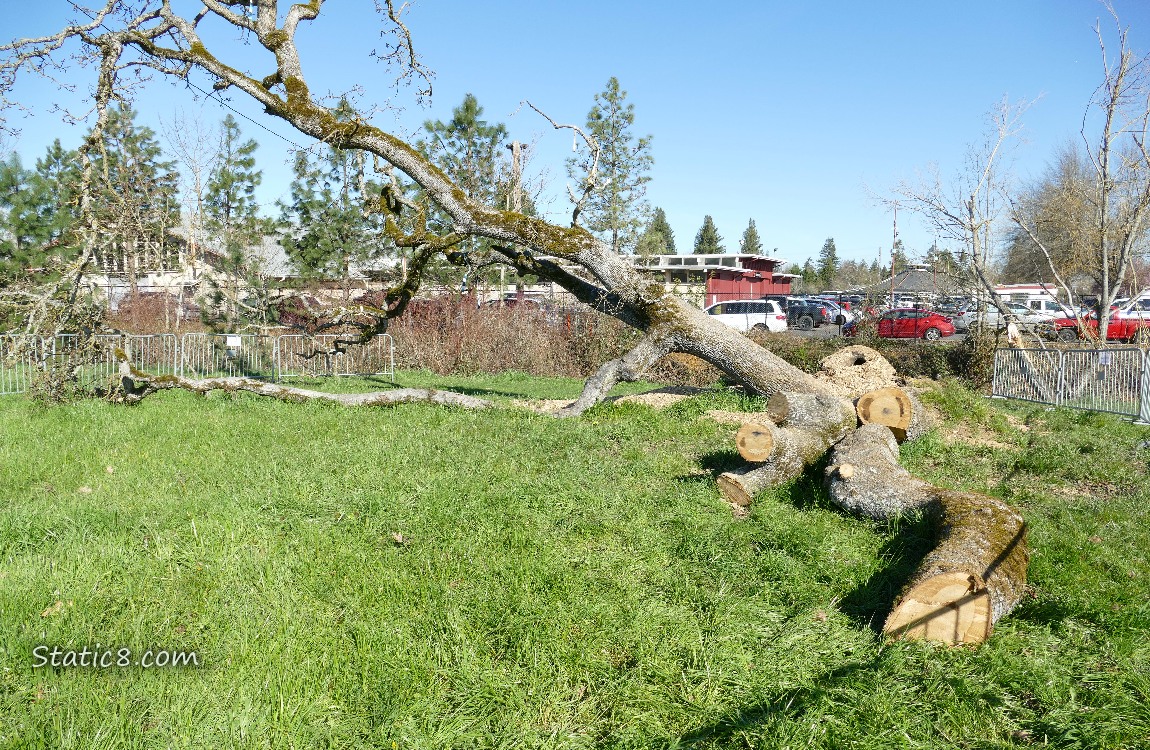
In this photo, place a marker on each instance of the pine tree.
(828, 266)
(325, 229)
(750, 243)
(810, 273)
(230, 203)
(708, 240)
(37, 212)
(473, 152)
(470, 151)
(241, 295)
(616, 208)
(662, 227)
(135, 199)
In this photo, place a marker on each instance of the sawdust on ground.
(659, 398)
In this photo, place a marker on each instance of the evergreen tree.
(230, 203)
(233, 217)
(828, 267)
(474, 153)
(37, 211)
(810, 273)
(660, 225)
(326, 230)
(708, 240)
(615, 209)
(470, 151)
(940, 261)
(652, 243)
(135, 201)
(750, 243)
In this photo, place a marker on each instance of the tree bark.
(628, 368)
(976, 573)
(812, 424)
(136, 385)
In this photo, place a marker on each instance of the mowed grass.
(424, 577)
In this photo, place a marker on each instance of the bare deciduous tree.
(1114, 197)
(969, 208)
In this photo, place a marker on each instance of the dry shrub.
(149, 312)
(684, 369)
(449, 337)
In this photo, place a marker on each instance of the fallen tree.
(815, 412)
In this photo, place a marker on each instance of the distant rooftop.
(702, 262)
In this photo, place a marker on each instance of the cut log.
(740, 487)
(974, 576)
(786, 451)
(857, 369)
(755, 441)
(809, 410)
(886, 406)
(976, 572)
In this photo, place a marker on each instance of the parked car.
(750, 314)
(806, 314)
(909, 323)
(1045, 310)
(836, 313)
(990, 315)
(1127, 325)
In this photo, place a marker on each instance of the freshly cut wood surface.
(977, 571)
(886, 406)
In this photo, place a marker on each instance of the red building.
(719, 277)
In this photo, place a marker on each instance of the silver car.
(989, 315)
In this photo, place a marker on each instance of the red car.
(1121, 328)
(910, 323)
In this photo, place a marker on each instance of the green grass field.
(422, 577)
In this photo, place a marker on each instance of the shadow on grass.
(788, 705)
(870, 604)
(715, 463)
(456, 388)
(911, 538)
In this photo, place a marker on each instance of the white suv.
(750, 314)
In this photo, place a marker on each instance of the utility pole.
(893, 248)
(516, 205)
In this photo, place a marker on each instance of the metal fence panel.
(376, 357)
(216, 355)
(20, 356)
(1105, 380)
(314, 356)
(156, 354)
(195, 355)
(307, 356)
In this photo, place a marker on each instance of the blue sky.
(794, 114)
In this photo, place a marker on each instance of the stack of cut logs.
(976, 573)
